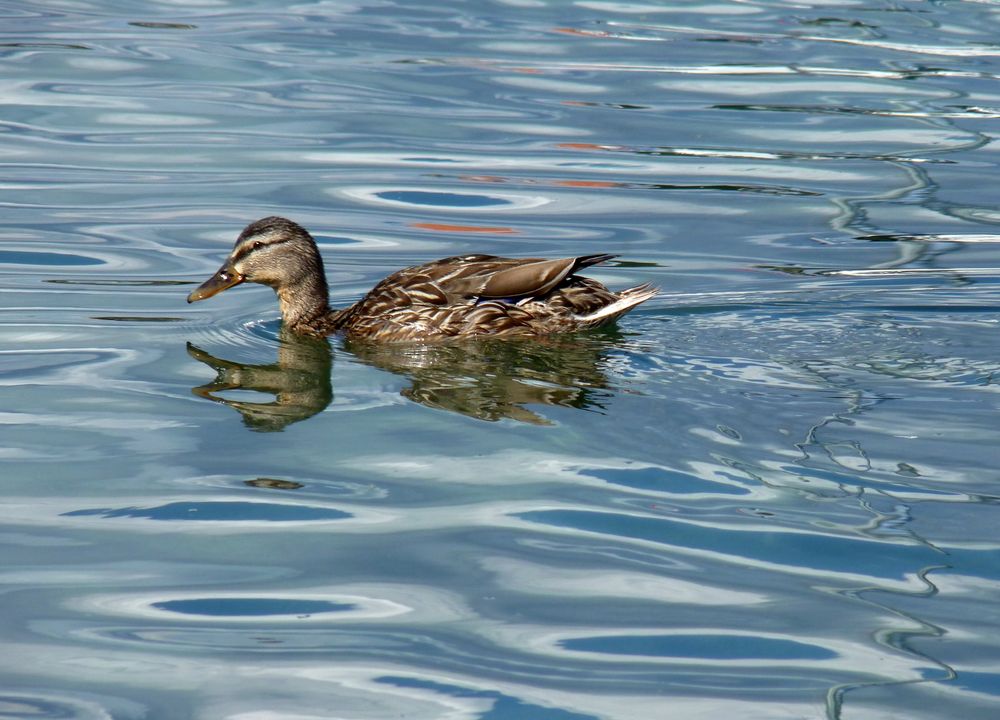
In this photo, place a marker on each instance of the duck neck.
(304, 304)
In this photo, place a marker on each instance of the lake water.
(771, 492)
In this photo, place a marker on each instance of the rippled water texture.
(768, 493)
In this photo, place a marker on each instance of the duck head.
(272, 251)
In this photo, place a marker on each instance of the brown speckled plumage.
(455, 296)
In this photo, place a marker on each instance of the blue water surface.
(770, 492)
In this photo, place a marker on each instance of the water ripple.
(768, 492)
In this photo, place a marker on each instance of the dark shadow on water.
(487, 379)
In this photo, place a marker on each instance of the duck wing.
(496, 278)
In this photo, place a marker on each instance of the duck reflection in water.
(300, 382)
(483, 378)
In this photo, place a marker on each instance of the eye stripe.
(255, 245)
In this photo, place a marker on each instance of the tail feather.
(585, 261)
(627, 299)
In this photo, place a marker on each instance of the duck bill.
(222, 280)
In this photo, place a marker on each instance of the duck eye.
(257, 245)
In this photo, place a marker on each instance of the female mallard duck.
(457, 296)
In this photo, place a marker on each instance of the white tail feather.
(628, 299)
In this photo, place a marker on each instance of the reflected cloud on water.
(486, 379)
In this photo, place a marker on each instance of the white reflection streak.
(763, 70)
(607, 706)
(635, 8)
(151, 119)
(775, 169)
(94, 373)
(970, 238)
(855, 136)
(25, 93)
(225, 688)
(55, 705)
(544, 84)
(493, 515)
(946, 50)
(539, 468)
(89, 421)
(532, 578)
(911, 582)
(890, 272)
(527, 468)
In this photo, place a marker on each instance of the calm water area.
(770, 492)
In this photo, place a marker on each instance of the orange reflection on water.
(583, 146)
(588, 183)
(484, 178)
(583, 33)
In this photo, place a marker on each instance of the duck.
(459, 296)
